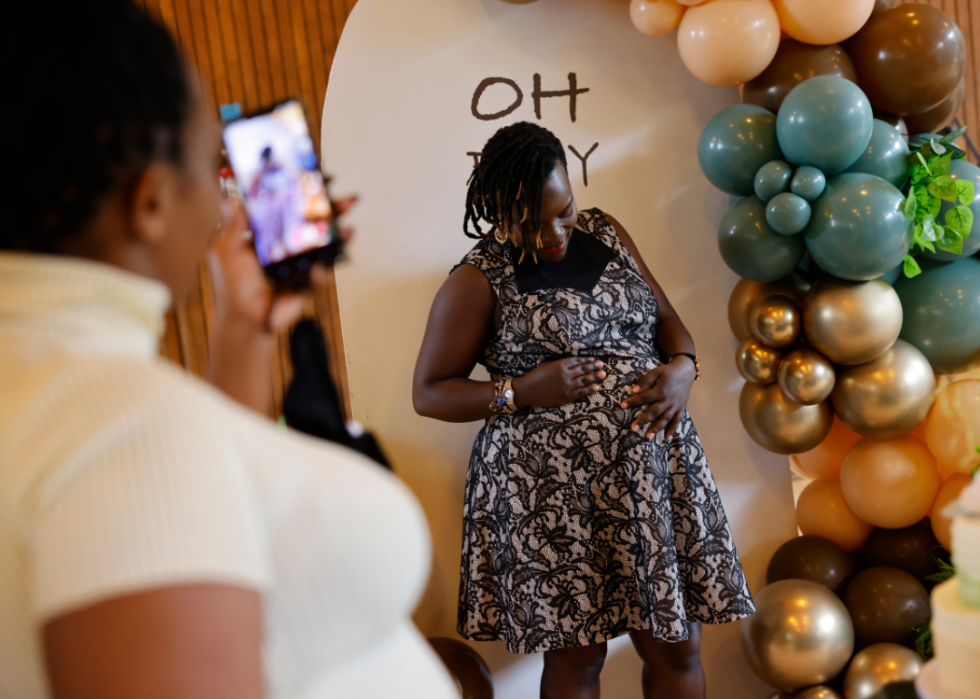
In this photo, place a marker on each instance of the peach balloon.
(953, 426)
(822, 511)
(890, 484)
(828, 456)
(656, 17)
(941, 523)
(690, 3)
(728, 42)
(823, 21)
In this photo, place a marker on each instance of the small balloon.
(808, 183)
(942, 313)
(799, 636)
(877, 666)
(812, 558)
(818, 692)
(751, 248)
(776, 321)
(825, 122)
(886, 156)
(893, 120)
(690, 3)
(852, 322)
(823, 21)
(952, 429)
(757, 362)
(941, 522)
(886, 604)
(822, 511)
(788, 214)
(794, 63)
(827, 457)
(961, 170)
(858, 230)
(746, 293)
(734, 144)
(656, 17)
(805, 377)
(772, 178)
(728, 42)
(911, 549)
(466, 666)
(780, 426)
(939, 116)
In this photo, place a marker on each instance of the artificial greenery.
(946, 571)
(923, 632)
(929, 186)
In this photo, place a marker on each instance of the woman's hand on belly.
(551, 384)
(664, 390)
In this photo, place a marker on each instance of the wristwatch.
(697, 364)
(503, 397)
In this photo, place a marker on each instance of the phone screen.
(282, 188)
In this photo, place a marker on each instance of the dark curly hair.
(94, 92)
(513, 168)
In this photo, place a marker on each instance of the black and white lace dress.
(576, 529)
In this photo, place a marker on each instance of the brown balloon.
(909, 59)
(812, 558)
(892, 120)
(780, 426)
(911, 549)
(757, 362)
(794, 63)
(748, 292)
(883, 6)
(939, 116)
(466, 666)
(819, 692)
(886, 604)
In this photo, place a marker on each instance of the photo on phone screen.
(283, 190)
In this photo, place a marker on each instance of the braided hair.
(94, 92)
(514, 166)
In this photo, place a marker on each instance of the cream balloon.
(757, 362)
(953, 426)
(728, 42)
(890, 484)
(656, 17)
(822, 511)
(818, 692)
(776, 321)
(799, 636)
(851, 322)
(941, 522)
(823, 21)
(805, 377)
(780, 426)
(746, 292)
(886, 397)
(878, 665)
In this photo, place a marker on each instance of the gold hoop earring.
(500, 236)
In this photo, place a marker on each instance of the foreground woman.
(590, 511)
(157, 540)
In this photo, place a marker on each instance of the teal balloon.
(732, 198)
(941, 310)
(858, 231)
(788, 213)
(733, 146)
(772, 178)
(751, 248)
(825, 122)
(961, 170)
(886, 156)
(892, 276)
(808, 182)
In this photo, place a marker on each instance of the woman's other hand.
(551, 384)
(665, 391)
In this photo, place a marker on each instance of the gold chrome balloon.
(800, 635)
(748, 292)
(818, 692)
(780, 426)
(851, 322)
(805, 377)
(887, 397)
(757, 362)
(878, 665)
(776, 321)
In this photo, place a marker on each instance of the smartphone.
(284, 192)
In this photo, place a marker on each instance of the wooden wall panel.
(256, 53)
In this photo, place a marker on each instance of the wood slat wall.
(256, 53)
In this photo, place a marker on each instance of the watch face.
(508, 393)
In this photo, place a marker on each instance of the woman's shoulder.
(488, 255)
(594, 220)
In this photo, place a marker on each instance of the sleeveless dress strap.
(491, 258)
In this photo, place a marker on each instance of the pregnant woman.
(590, 511)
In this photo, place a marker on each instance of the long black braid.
(513, 168)
(93, 92)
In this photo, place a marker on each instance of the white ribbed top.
(119, 472)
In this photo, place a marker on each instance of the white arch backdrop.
(398, 123)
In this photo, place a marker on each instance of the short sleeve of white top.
(120, 473)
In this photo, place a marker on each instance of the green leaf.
(918, 172)
(944, 187)
(946, 571)
(937, 147)
(950, 241)
(952, 136)
(923, 640)
(940, 166)
(966, 191)
(928, 204)
(911, 204)
(957, 153)
(911, 267)
(960, 220)
(929, 229)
